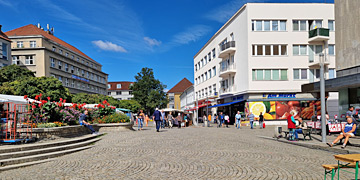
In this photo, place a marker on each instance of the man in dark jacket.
(157, 118)
(82, 121)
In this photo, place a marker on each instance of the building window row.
(29, 60)
(79, 72)
(269, 75)
(79, 85)
(207, 75)
(306, 74)
(268, 25)
(206, 92)
(60, 51)
(211, 55)
(269, 50)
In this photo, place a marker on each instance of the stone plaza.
(186, 153)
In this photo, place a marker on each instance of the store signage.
(274, 96)
(80, 78)
(238, 98)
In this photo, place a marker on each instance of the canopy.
(171, 110)
(15, 99)
(122, 109)
(225, 104)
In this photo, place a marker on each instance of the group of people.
(223, 120)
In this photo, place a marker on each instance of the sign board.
(274, 96)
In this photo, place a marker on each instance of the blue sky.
(127, 35)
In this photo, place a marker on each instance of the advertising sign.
(266, 107)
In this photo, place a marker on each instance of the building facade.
(261, 56)
(5, 49)
(187, 99)
(120, 90)
(46, 55)
(174, 93)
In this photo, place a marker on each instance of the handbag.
(263, 124)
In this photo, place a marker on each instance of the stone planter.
(114, 127)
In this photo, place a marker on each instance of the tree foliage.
(14, 72)
(148, 91)
(32, 86)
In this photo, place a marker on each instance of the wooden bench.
(305, 133)
(331, 169)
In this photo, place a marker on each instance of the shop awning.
(194, 108)
(225, 104)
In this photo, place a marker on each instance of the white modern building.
(263, 53)
(187, 99)
(5, 49)
(120, 90)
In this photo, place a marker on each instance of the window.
(82, 73)
(202, 78)
(72, 56)
(87, 75)
(206, 77)
(269, 25)
(300, 74)
(269, 50)
(60, 78)
(87, 63)
(66, 67)
(20, 44)
(214, 70)
(331, 49)
(195, 67)
(331, 25)
(52, 75)
(318, 49)
(109, 93)
(29, 60)
(300, 50)
(205, 60)
(66, 82)
(52, 62)
(118, 86)
(54, 48)
(91, 76)
(202, 62)
(283, 25)
(72, 69)
(266, 25)
(109, 86)
(16, 60)
(118, 92)
(299, 25)
(92, 65)
(317, 73)
(209, 56)
(78, 71)
(213, 53)
(199, 65)
(199, 79)
(130, 93)
(60, 64)
(209, 72)
(32, 44)
(77, 59)
(83, 61)
(269, 74)
(72, 83)
(258, 25)
(66, 54)
(331, 73)
(60, 51)
(275, 25)
(4, 51)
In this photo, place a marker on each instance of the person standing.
(170, 119)
(163, 119)
(82, 121)
(221, 119)
(237, 120)
(141, 118)
(251, 119)
(209, 119)
(157, 118)
(291, 126)
(147, 119)
(178, 119)
(227, 120)
(261, 120)
(205, 120)
(186, 120)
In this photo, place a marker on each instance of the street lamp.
(322, 97)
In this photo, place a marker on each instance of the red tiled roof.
(3, 36)
(181, 86)
(31, 29)
(125, 85)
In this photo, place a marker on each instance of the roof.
(3, 35)
(31, 30)
(125, 85)
(181, 86)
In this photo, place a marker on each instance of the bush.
(113, 118)
(46, 125)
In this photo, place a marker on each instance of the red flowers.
(33, 106)
(37, 97)
(48, 98)
(25, 97)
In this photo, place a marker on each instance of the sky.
(127, 35)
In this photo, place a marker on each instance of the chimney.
(39, 25)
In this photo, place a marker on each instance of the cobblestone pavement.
(187, 153)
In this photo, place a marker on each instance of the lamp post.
(322, 97)
(197, 111)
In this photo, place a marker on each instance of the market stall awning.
(225, 104)
(15, 99)
(122, 109)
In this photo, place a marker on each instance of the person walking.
(221, 119)
(147, 119)
(186, 120)
(227, 120)
(157, 118)
(291, 126)
(251, 117)
(163, 119)
(261, 120)
(141, 118)
(237, 120)
(170, 119)
(82, 121)
(209, 119)
(178, 119)
(205, 120)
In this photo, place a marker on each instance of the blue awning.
(225, 104)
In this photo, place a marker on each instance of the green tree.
(14, 72)
(32, 86)
(148, 91)
(133, 105)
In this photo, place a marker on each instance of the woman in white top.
(227, 120)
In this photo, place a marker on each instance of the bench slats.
(335, 166)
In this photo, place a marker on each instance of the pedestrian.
(227, 120)
(327, 123)
(141, 118)
(185, 119)
(261, 120)
(157, 118)
(163, 119)
(221, 119)
(82, 121)
(251, 117)
(147, 119)
(204, 120)
(351, 113)
(209, 119)
(291, 126)
(237, 120)
(178, 119)
(170, 119)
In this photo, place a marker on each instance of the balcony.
(226, 49)
(318, 35)
(227, 69)
(227, 90)
(314, 61)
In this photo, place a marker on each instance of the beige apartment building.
(43, 53)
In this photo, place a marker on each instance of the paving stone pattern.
(187, 153)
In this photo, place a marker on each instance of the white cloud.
(109, 46)
(192, 34)
(224, 12)
(152, 42)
